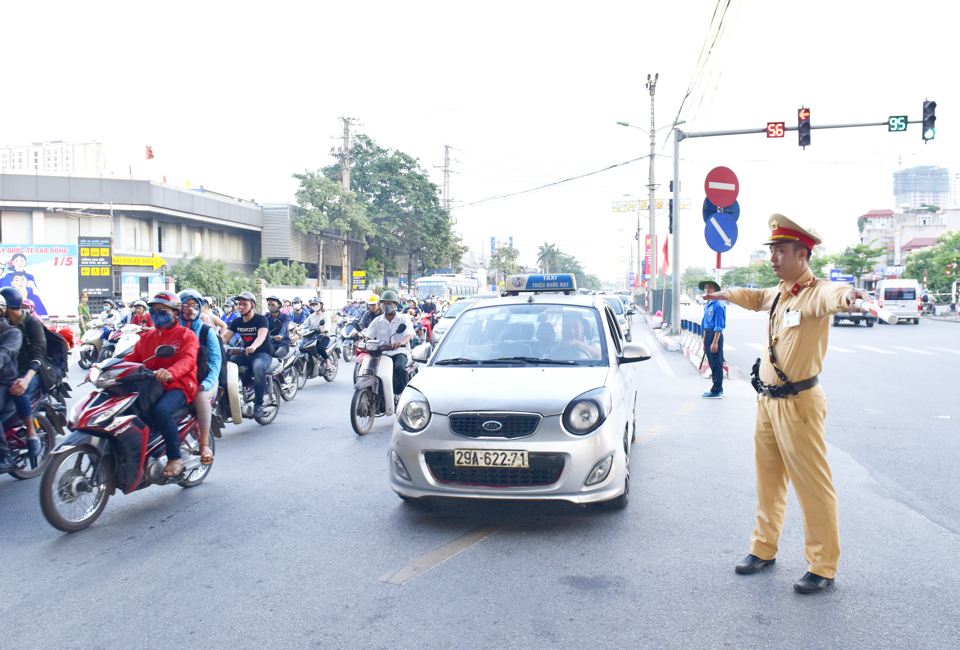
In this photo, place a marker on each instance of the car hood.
(539, 389)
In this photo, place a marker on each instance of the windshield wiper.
(458, 361)
(568, 362)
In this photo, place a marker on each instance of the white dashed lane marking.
(877, 350)
(915, 351)
(946, 350)
(837, 348)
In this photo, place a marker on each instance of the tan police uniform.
(789, 438)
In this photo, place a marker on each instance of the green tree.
(279, 274)
(759, 273)
(403, 206)
(592, 282)
(504, 260)
(210, 277)
(693, 276)
(548, 257)
(934, 261)
(859, 259)
(329, 213)
(818, 262)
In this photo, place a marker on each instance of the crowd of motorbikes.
(107, 446)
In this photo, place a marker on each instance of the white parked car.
(529, 396)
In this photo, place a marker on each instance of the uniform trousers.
(790, 446)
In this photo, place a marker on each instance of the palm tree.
(547, 255)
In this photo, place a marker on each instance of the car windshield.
(455, 309)
(616, 304)
(534, 334)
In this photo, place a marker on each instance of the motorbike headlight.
(413, 411)
(105, 378)
(108, 415)
(588, 411)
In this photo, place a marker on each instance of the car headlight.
(588, 411)
(413, 410)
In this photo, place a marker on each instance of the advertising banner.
(646, 255)
(156, 284)
(47, 275)
(95, 268)
(129, 288)
(359, 280)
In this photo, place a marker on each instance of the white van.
(902, 297)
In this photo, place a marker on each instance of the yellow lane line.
(650, 434)
(686, 408)
(429, 560)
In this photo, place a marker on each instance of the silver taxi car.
(528, 396)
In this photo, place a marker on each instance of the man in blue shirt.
(713, 324)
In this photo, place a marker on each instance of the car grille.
(513, 425)
(545, 469)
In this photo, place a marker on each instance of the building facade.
(57, 156)
(919, 186)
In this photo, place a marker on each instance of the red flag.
(149, 152)
(666, 259)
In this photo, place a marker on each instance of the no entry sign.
(721, 186)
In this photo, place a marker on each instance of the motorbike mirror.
(323, 321)
(403, 327)
(165, 351)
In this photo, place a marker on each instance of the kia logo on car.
(491, 425)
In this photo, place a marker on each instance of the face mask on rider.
(389, 309)
(161, 318)
(298, 306)
(190, 313)
(274, 308)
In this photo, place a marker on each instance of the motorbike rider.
(211, 319)
(213, 307)
(430, 308)
(384, 328)
(412, 308)
(299, 314)
(373, 310)
(31, 355)
(140, 316)
(177, 374)
(207, 391)
(229, 311)
(108, 317)
(10, 343)
(253, 329)
(314, 321)
(279, 327)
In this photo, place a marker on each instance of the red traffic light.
(804, 113)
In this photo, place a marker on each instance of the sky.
(239, 96)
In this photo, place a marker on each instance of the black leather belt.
(788, 389)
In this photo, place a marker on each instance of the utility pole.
(651, 185)
(344, 156)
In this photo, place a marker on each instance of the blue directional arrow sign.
(721, 232)
(709, 209)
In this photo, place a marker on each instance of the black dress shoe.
(811, 583)
(752, 564)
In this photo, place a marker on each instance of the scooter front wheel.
(348, 353)
(271, 402)
(363, 411)
(87, 357)
(75, 488)
(331, 374)
(290, 384)
(301, 367)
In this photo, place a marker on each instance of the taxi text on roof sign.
(555, 282)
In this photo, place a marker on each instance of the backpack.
(58, 352)
(203, 361)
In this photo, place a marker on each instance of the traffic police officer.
(789, 438)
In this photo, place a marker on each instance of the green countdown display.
(897, 123)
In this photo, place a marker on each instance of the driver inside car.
(573, 337)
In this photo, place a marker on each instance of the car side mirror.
(633, 352)
(631, 312)
(165, 351)
(422, 352)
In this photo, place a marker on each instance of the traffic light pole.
(679, 135)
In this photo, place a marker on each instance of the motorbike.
(426, 322)
(346, 331)
(368, 400)
(48, 419)
(90, 345)
(129, 336)
(309, 366)
(236, 401)
(289, 375)
(112, 448)
(928, 309)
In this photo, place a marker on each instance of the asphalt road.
(288, 541)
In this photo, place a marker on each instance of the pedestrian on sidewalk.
(713, 323)
(789, 439)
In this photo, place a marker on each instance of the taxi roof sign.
(565, 282)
